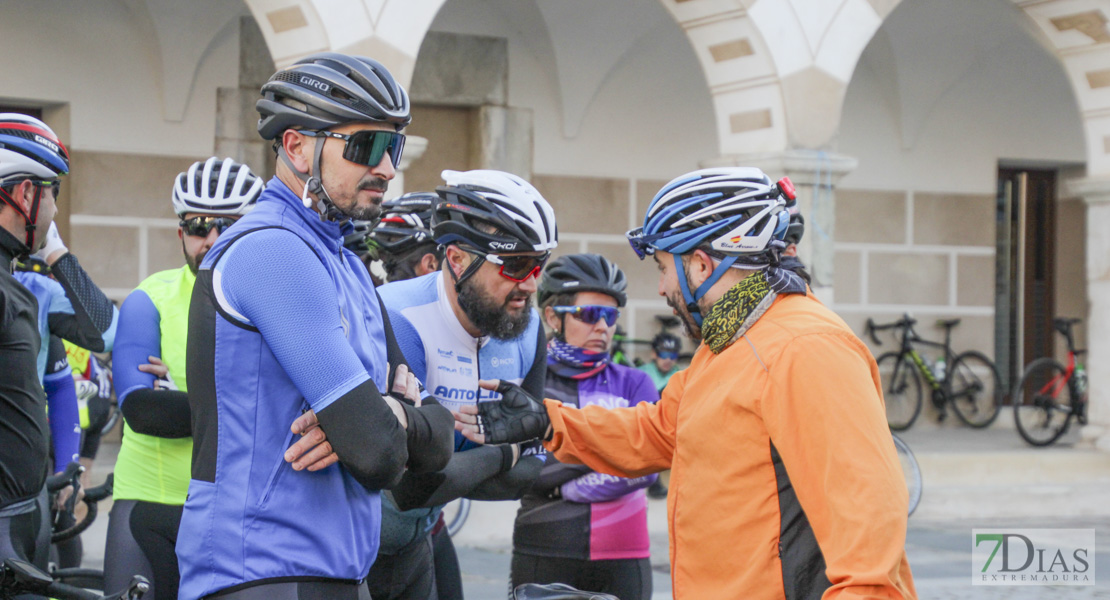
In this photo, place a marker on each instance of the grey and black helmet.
(328, 89)
(573, 273)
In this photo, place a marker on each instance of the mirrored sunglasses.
(591, 314)
(367, 147)
(200, 226)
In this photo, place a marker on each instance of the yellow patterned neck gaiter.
(730, 312)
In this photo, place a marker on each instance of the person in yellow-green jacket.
(153, 469)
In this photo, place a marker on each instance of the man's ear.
(699, 268)
(456, 259)
(181, 234)
(429, 263)
(24, 195)
(299, 148)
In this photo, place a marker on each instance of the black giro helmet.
(328, 89)
(524, 220)
(582, 273)
(406, 222)
(666, 342)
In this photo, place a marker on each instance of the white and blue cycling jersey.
(446, 358)
(449, 362)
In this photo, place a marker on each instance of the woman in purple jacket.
(575, 525)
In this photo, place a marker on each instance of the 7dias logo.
(1033, 557)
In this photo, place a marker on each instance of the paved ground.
(973, 479)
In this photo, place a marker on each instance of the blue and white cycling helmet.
(736, 214)
(29, 149)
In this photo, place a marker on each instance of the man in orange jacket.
(784, 480)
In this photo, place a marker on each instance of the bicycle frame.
(909, 340)
(1057, 383)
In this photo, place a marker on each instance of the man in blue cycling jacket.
(283, 321)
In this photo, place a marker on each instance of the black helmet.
(523, 219)
(796, 228)
(327, 89)
(358, 239)
(666, 342)
(406, 223)
(582, 273)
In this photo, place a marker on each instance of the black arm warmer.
(161, 413)
(509, 485)
(555, 474)
(92, 310)
(537, 375)
(430, 436)
(463, 473)
(366, 436)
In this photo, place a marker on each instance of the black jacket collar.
(10, 247)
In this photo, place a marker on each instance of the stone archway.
(389, 30)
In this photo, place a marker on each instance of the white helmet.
(219, 187)
(524, 221)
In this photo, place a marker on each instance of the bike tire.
(975, 389)
(902, 393)
(912, 472)
(1041, 419)
(456, 520)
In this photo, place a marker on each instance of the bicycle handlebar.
(72, 473)
(905, 322)
(92, 496)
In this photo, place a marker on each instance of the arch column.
(1096, 195)
(815, 175)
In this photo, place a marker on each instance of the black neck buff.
(489, 316)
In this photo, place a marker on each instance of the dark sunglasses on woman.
(591, 314)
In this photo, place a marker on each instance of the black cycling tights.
(141, 540)
(627, 579)
(448, 575)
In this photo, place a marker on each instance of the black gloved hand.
(517, 417)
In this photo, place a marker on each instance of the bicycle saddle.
(555, 591)
(948, 323)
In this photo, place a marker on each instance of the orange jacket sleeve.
(627, 442)
(823, 410)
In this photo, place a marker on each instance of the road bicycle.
(911, 470)
(65, 526)
(1050, 394)
(19, 578)
(968, 381)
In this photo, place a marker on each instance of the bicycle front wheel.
(975, 389)
(1042, 402)
(911, 470)
(901, 390)
(455, 514)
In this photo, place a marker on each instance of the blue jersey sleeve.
(276, 283)
(139, 337)
(408, 339)
(61, 399)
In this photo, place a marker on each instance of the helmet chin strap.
(692, 298)
(31, 218)
(313, 185)
(468, 272)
